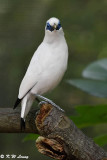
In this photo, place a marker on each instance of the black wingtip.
(17, 102)
(22, 124)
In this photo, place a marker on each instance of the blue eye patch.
(58, 26)
(50, 28)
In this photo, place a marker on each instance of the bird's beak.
(54, 26)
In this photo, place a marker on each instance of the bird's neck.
(53, 37)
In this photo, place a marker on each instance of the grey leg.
(37, 99)
(49, 101)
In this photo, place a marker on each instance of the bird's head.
(53, 25)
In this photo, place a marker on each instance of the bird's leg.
(49, 101)
(37, 99)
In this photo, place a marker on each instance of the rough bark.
(10, 121)
(59, 137)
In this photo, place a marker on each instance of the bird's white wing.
(26, 85)
(31, 77)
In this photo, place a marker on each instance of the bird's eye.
(49, 27)
(59, 26)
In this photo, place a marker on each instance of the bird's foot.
(38, 110)
(48, 101)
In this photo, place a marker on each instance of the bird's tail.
(22, 124)
(25, 108)
(17, 103)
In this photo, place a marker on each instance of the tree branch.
(60, 138)
(10, 121)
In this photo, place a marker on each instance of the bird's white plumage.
(46, 68)
(53, 21)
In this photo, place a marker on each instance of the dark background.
(22, 30)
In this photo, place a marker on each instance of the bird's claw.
(37, 112)
(41, 103)
(48, 101)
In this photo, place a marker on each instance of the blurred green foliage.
(96, 84)
(96, 70)
(21, 31)
(90, 115)
(30, 137)
(93, 87)
(101, 140)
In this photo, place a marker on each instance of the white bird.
(46, 67)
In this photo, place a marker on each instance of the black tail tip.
(17, 102)
(22, 124)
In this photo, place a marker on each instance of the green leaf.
(90, 115)
(96, 70)
(30, 137)
(94, 87)
(101, 140)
